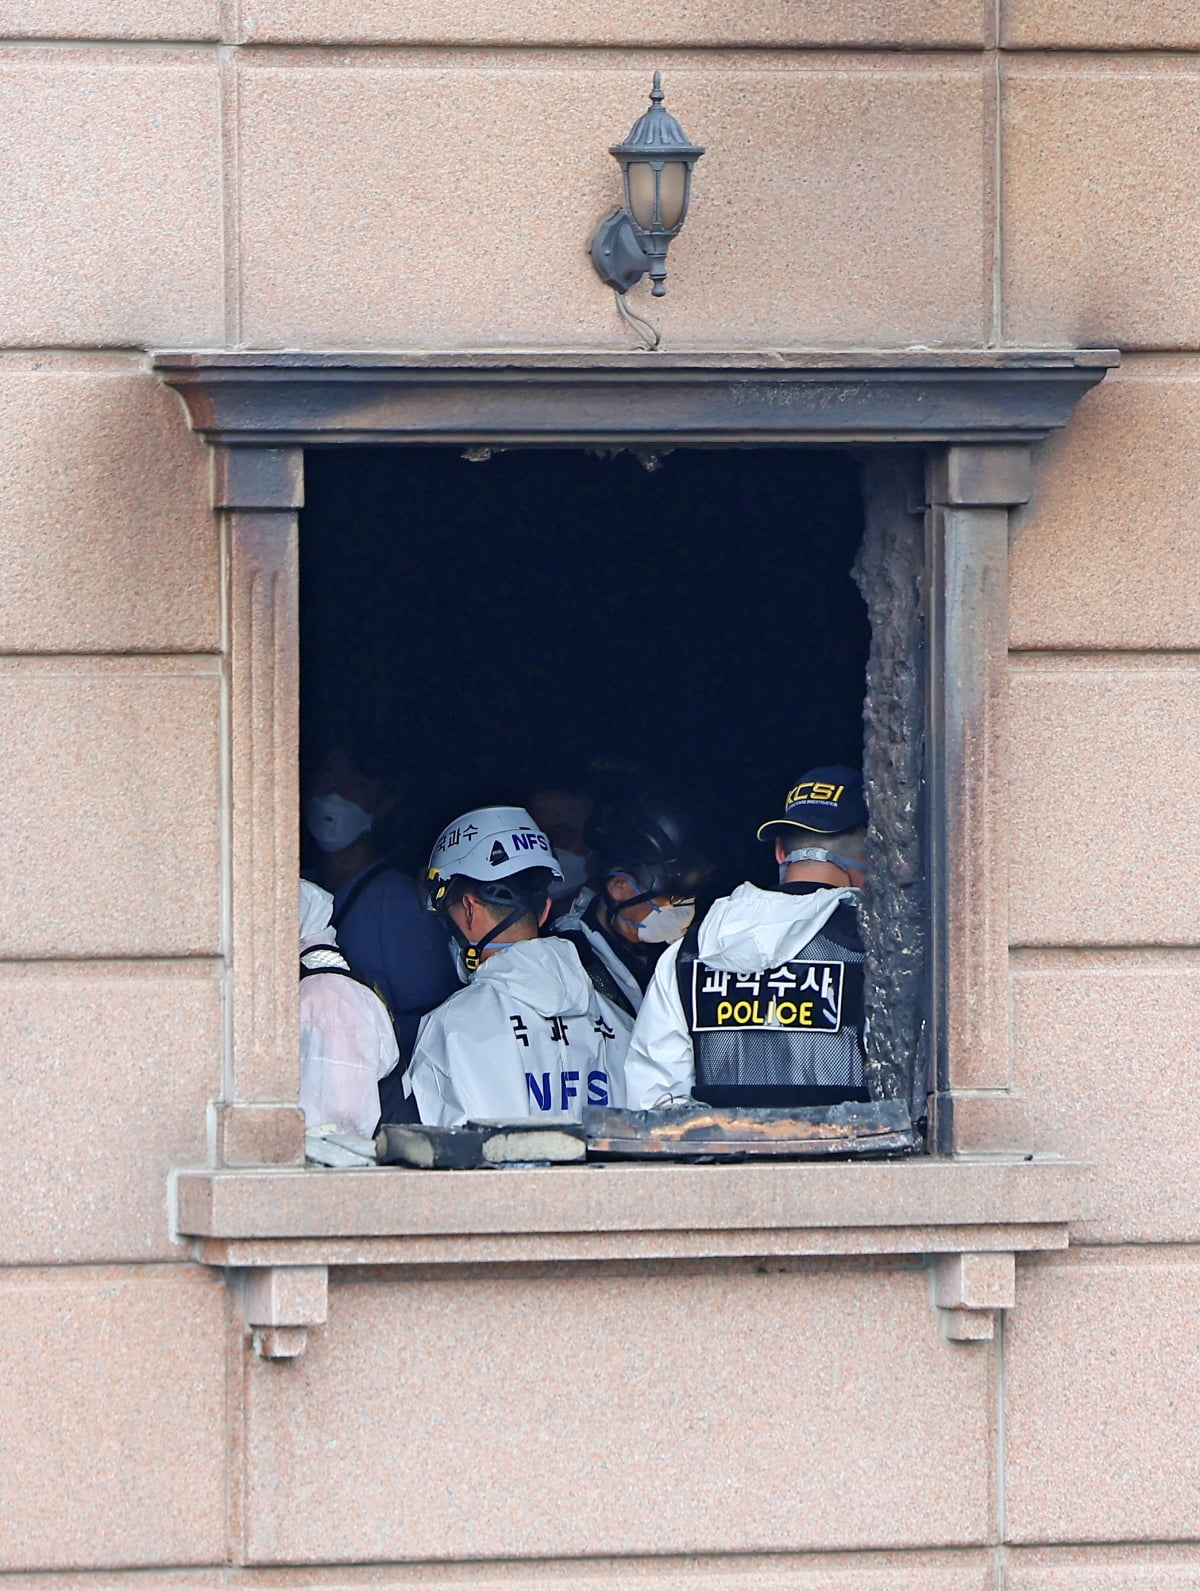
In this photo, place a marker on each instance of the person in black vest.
(392, 943)
(648, 872)
(761, 1004)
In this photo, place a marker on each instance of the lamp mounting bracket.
(618, 256)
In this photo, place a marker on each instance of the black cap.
(826, 801)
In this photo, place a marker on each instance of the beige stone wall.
(277, 173)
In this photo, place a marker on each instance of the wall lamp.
(656, 163)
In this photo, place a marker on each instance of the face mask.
(666, 924)
(335, 822)
(574, 875)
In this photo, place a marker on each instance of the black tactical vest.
(786, 1037)
(597, 969)
(604, 981)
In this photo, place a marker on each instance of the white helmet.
(487, 845)
(490, 846)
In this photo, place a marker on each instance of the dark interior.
(684, 621)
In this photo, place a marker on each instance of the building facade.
(237, 229)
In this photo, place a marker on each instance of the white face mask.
(666, 924)
(460, 963)
(574, 875)
(335, 822)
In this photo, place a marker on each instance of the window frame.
(976, 415)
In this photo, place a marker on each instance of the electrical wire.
(649, 335)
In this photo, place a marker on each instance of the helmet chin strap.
(473, 953)
(816, 853)
(618, 908)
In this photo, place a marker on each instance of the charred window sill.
(284, 1226)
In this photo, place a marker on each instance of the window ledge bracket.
(280, 1303)
(969, 1290)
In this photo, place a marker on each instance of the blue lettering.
(568, 1092)
(542, 1095)
(597, 1088)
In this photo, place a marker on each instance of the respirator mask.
(335, 822)
(666, 924)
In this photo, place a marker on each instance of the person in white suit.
(347, 1043)
(528, 1037)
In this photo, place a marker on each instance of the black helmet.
(653, 842)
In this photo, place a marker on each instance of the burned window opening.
(894, 917)
(371, 518)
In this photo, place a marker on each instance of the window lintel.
(950, 395)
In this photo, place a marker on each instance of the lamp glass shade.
(672, 193)
(639, 185)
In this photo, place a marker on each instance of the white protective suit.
(528, 1037)
(346, 1039)
(749, 931)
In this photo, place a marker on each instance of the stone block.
(1103, 1056)
(606, 1412)
(1101, 235)
(189, 1579)
(1103, 762)
(1104, 556)
(1100, 24)
(112, 1399)
(973, 1281)
(113, 228)
(255, 1135)
(993, 1121)
(365, 190)
(112, 784)
(623, 23)
(110, 19)
(106, 1072)
(876, 1571)
(1102, 1398)
(1145, 1567)
(108, 541)
(287, 1295)
(979, 477)
(257, 477)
